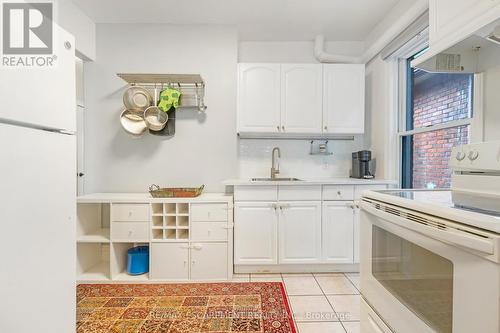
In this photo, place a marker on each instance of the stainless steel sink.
(275, 179)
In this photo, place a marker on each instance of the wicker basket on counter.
(175, 192)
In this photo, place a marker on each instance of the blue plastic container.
(138, 260)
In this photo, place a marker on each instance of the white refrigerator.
(38, 194)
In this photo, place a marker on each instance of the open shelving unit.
(119, 262)
(170, 221)
(110, 224)
(93, 261)
(93, 223)
(93, 241)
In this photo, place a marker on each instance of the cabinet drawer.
(358, 192)
(256, 193)
(209, 231)
(130, 212)
(208, 212)
(338, 192)
(130, 231)
(299, 192)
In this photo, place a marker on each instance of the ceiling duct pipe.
(322, 56)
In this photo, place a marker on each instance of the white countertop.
(313, 181)
(146, 198)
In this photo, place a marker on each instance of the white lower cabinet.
(170, 261)
(209, 261)
(195, 261)
(338, 229)
(301, 225)
(299, 232)
(357, 229)
(255, 233)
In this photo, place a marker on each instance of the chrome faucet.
(275, 170)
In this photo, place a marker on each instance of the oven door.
(422, 278)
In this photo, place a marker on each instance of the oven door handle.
(457, 237)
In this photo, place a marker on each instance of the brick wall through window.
(438, 98)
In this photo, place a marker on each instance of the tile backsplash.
(254, 158)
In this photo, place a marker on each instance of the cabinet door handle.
(284, 206)
(326, 128)
(193, 262)
(278, 128)
(283, 128)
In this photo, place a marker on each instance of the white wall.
(293, 52)
(381, 110)
(393, 24)
(492, 104)
(204, 149)
(255, 158)
(71, 18)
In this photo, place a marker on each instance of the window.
(437, 118)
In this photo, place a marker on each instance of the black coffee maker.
(363, 167)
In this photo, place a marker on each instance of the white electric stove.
(430, 259)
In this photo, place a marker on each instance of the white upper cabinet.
(301, 98)
(288, 99)
(343, 99)
(259, 98)
(300, 233)
(459, 18)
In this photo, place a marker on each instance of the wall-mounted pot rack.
(191, 86)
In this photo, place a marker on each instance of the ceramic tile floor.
(321, 302)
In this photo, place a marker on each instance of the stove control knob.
(473, 155)
(460, 156)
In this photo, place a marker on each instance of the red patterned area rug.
(186, 308)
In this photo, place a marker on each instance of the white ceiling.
(256, 20)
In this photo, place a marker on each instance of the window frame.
(405, 136)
